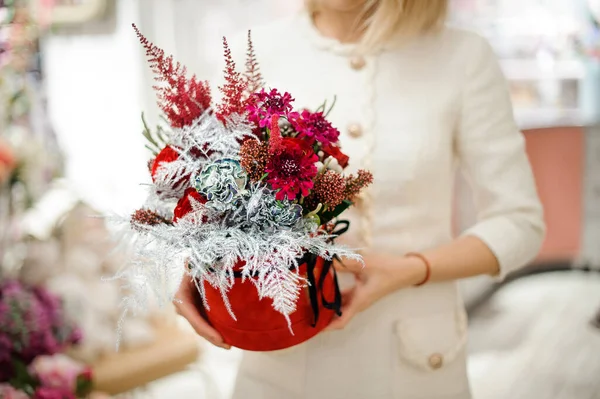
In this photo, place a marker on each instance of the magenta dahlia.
(291, 170)
(262, 106)
(313, 126)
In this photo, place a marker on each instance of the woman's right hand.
(187, 302)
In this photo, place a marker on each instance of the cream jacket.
(413, 115)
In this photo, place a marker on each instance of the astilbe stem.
(253, 75)
(182, 100)
(233, 90)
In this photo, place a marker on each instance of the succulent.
(267, 213)
(222, 182)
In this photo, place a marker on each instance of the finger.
(187, 304)
(347, 296)
(201, 326)
(341, 322)
(349, 310)
(349, 265)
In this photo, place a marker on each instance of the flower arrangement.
(34, 332)
(242, 191)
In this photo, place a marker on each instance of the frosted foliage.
(207, 135)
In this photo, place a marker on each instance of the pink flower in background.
(57, 371)
(8, 392)
(35, 324)
(52, 393)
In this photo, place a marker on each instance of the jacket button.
(355, 130)
(436, 361)
(357, 63)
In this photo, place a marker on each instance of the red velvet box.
(259, 327)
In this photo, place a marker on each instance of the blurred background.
(73, 84)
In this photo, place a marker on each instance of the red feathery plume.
(233, 91)
(182, 100)
(354, 185)
(253, 76)
(148, 218)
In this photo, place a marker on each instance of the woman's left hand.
(380, 276)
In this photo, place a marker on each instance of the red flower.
(334, 151)
(52, 393)
(86, 374)
(292, 169)
(262, 106)
(184, 206)
(168, 154)
(313, 126)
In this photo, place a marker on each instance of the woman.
(415, 100)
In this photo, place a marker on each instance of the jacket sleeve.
(491, 152)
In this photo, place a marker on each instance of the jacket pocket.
(431, 358)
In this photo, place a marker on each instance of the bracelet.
(427, 266)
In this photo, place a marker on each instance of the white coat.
(412, 115)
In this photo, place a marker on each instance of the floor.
(533, 339)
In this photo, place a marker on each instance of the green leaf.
(84, 386)
(331, 214)
(152, 150)
(162, 136)
(321, 107)
(148, 135)
(330, 108)
(22, 379)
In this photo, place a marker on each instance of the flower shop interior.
(73, 85)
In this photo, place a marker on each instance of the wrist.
(407, 271)
(417, 269)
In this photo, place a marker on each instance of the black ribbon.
(314, 287)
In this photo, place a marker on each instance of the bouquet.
(34, 332)
(247, 195)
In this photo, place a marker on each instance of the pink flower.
(8, 392)
(52, 393)
(262, 106)
(291, 170)
(313, 126)
(57, 371)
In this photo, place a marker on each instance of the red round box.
(259, 327)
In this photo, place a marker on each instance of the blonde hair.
(383, 20)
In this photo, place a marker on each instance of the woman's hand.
(380, 276)
(187, 302)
